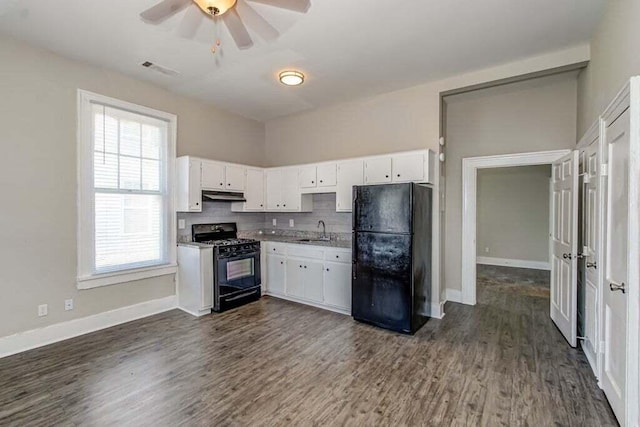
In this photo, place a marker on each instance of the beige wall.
(513, 213)
(38, 178)
(615, 57)
(402, 120)
(534, 115)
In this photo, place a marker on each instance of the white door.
(564, 246)
(295, 278)
(349, 174)
(377, 170)
(308, 177)
(291, 198)
(254, 192)
(408, 168)
(235, 178)
(312, 272)
(212, 175)
(337, 284)
(590, 241)
(614, 369)
(274, 190)
(327, 175)
(275, 274)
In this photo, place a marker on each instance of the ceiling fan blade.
(163, 10)
(256, 22)
(295, 5)
(237, 29)
(8, 6)
(190, 23)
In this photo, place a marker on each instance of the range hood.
(222, 196)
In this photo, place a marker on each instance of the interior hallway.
(501, 362)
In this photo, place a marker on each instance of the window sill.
(107, 279)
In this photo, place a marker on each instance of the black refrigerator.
(391, 276)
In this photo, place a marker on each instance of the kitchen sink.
(313, 240)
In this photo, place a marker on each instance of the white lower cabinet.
(337, 285)
(276, 273)
(314, 275)
(195, 279)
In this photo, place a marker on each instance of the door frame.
(470, 166)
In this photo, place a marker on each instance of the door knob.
(592, 264)
(615, 287)
(567, 256)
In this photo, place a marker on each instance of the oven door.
(237, 273)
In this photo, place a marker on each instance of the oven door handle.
(241, 256)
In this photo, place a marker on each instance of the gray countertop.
(338, 240)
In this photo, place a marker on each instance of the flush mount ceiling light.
(291, 78)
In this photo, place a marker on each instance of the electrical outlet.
(274, 222)
(291, 223)
(486, 249)
(68, 304)
(43, 310)
(181, 224)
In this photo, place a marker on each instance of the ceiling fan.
(234, 13)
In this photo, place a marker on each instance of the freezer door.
(382, 208)
(381, 282)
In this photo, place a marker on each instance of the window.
(126, 158)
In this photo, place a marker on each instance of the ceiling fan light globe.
(291, 78)
(215, 7)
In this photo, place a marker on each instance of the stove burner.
(228, 242)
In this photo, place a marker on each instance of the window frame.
(86, 277)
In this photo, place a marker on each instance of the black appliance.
(236, 264)
(391, 275)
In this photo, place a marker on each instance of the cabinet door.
(290, 191)
(337, 284)
(377, 171)
(254, 191)
(349, 174)
(327, 175)
(274, 190)
(276, 267)
(295, 278)
(234, 178)
(408, 168)
(308, 177)
(212, 175)
(195, 191)
(312, 271)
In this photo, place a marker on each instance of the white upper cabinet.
(212, 175)
(274, 189)
(308, 178)
(254, 192)
(188, 193)
(327, 175)
(349, 174)
(408, 167)
(283, 191)
(235, 178)
(319, 178)
(291, 198)
(377, 170)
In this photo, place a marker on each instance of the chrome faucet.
(324, 231)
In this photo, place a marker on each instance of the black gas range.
(236, 264)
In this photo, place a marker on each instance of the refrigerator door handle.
(354, 258)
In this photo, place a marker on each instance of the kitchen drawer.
(276, 248)
(337, 256)
(302, 251)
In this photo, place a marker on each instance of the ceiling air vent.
(160, 69)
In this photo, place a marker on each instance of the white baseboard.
(520, 263)
(35, 338)
(437, 310)
(454, 295)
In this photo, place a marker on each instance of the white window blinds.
(127, 205)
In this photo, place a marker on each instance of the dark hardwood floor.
(273, 362)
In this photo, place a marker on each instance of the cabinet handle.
(281, 262)
(197, 203)
(274, 249)
(300, 266)
(398, 175)
(386, 176)
(230, 183)
(313, 182)
(278, 206)
(327, 269)
(221, 184)
(284, 206)
(320, 181)
(261, 205)
(337, 256)
(305, 266)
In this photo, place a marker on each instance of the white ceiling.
(347, 48)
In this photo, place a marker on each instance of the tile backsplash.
(324, 208)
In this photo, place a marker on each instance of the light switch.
(181, 224)
(291, 223)
(274, 222)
